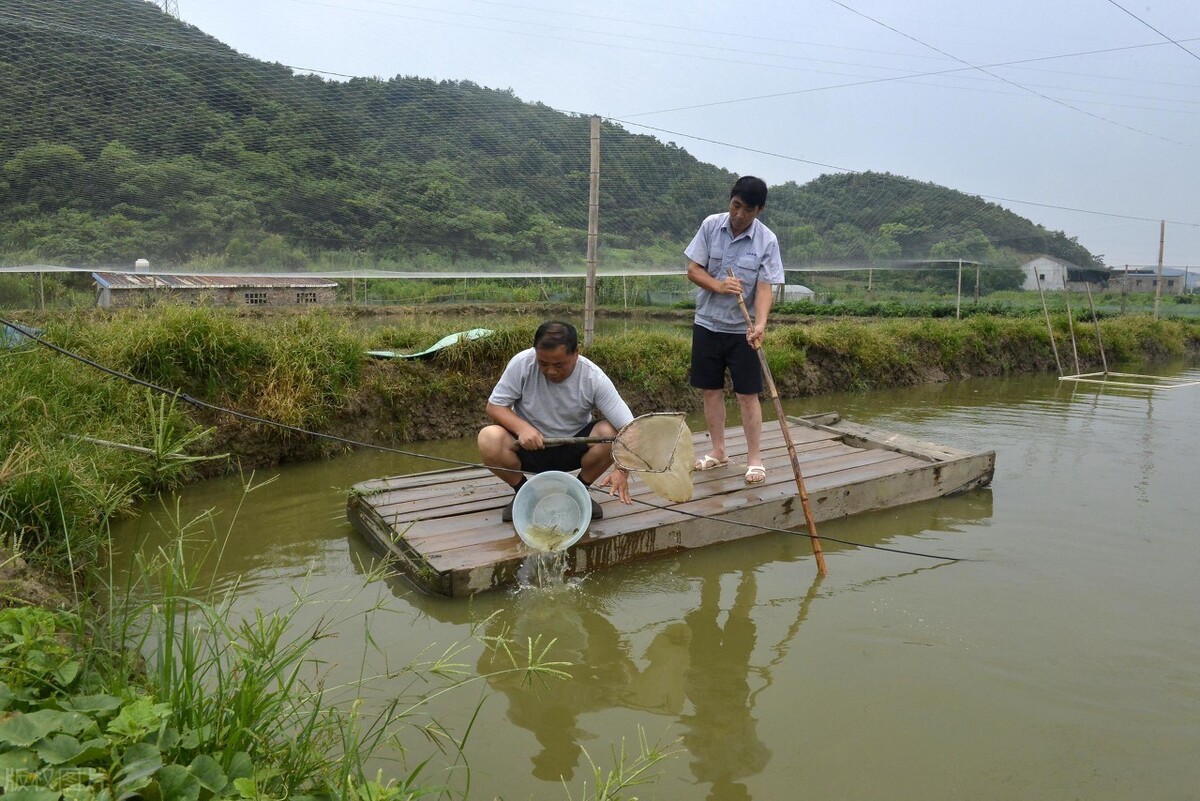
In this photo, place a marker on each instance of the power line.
(998, 77)
(910, 76)
(851, 169)
(1156, 30)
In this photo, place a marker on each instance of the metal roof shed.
(123, 290)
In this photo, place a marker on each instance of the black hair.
(553, 334)
(751, 190)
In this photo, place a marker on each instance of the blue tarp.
(446, 341)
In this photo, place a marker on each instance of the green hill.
(126, 133)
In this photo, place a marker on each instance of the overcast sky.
(1088, 105)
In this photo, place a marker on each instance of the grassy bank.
(61, 420)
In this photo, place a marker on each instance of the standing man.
(550, 390)
(734, 241)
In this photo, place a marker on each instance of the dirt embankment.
(388, 412)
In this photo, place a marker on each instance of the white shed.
(1050, 271)
(797, 292)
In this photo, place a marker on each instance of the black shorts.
(561, 457)
(712, 352)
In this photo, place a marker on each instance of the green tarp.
(444, 342)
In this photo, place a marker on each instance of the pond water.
(1058, 660)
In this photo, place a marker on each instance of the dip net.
(658, 448)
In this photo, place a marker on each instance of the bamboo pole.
(1049, 329)
(791, 448)
(1070, 320)
(1096, 322)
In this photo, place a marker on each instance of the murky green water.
(1060, 661)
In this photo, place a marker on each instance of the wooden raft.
(442, 529)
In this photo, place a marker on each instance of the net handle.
(553, 441)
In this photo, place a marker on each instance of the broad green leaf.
(240, 767)
(208, 772)
(26, 729)
(65, 673)
(138, 765)
(14, 761)
(64, 778)
(246, 788)
(59, 748)
(92, 703)
(193, 737)
(6, 697)
(167, 739)
(139, 718)
(93, 750)
(176, 783)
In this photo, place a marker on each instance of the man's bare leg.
(752, 425)
(714, 418)
(498, 449)
(599, 455)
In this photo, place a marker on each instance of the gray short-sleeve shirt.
(562, 409)
(754, 257)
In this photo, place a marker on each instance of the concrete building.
(1176, 281)
(1055, 274)
(126, 290)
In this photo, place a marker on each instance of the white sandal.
(756, 474)
(709, 462)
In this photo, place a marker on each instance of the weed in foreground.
(173, 695)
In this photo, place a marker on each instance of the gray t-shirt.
(754, 257)
(562, 409)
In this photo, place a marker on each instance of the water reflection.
(704, 658)
(721, 732)
(1081, 584)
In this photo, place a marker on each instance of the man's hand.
(530, 439)
(755, 334)
(730, 286)
(618, 483)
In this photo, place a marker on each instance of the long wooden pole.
(1070, 320)
(1096, 322)
(958, 297)
(1049, 328)
(1162, 237)
(593, 237)
(791, 448)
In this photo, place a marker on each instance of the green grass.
(311, 371)
(167, 693)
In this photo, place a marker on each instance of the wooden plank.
(444, 532)
(862, 436)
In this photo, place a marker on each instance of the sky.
(1081, 115)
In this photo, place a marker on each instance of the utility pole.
(593, 240)
(171, 7)
(958, 297)
(1162, 235)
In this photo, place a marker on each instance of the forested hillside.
(126, 133)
